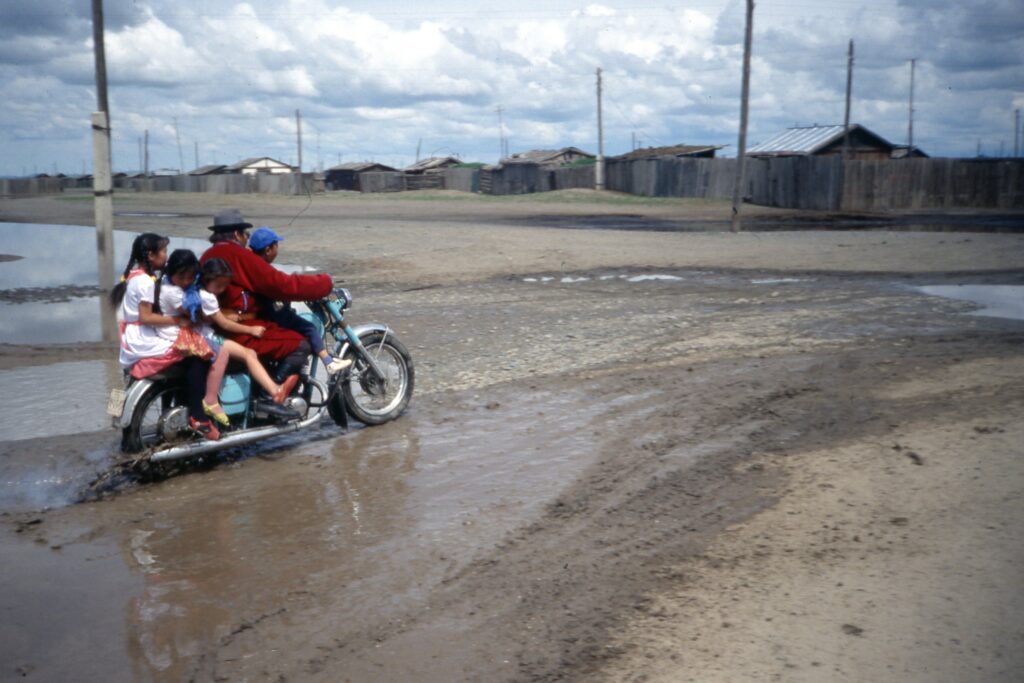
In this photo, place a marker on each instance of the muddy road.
(631, 456)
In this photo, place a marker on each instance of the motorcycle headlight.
(344, 296)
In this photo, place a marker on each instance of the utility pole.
(599, 169)
(849, 92)
(177, 138)
(102, 182)
(737, 190)
(1016, 132)
(910, 125)
(633, 141)
(195, 147)
(502, 148)
(145, 166)
(298, 135)
(419, 144)
(140, 153)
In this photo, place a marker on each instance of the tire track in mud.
(548, 602)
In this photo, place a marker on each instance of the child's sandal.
(212, 409)
(206, 428)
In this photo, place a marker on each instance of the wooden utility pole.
(849, 92)
(737, 192)
(599, 168)
(102, 181)
(502, 147)
(298, 135)
(910, 124)
(145, 165)
(177, 138)
(1016, 132)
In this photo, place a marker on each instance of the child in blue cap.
(263, 241)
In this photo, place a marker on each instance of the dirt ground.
(657, 453)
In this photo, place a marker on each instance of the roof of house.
(244, 163)
(543, 156)
(359, 166)
(208, 169)
(808, 140)
(902, 152)
(669, 151)
(431, 163)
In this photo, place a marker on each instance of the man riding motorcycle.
(253, 275)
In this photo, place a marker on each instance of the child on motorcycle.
(144, 351)
(182, 293)
(263, 242)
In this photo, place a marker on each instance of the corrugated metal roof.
(799, 140)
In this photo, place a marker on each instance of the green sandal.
(220, 417)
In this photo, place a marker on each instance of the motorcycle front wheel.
(365, 396)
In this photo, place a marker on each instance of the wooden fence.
(825, 183)
(24, 187)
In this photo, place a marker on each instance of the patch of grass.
(75, 198)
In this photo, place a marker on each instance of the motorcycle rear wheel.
(363, 395)
(146, 428)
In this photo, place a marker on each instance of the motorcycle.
(152, 413)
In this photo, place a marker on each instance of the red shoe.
(286, 388)
(204, 427)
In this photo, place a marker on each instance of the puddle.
(51, 400)
(49, 290)
(383, 511)
(998, 301)
(780, 280)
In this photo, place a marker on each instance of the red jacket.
(250, 275)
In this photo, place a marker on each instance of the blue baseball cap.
(262, 237)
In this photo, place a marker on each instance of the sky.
(380, 79)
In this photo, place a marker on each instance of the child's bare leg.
(256, 369)
(216, 376)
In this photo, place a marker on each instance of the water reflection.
(58, 256)
(998, 301)
(55, 255)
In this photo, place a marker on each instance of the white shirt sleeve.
(171, 297)
(210, 305)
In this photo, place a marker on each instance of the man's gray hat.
(229, 220)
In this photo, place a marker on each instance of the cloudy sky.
(375, 79)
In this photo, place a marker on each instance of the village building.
(259, 165)
(824, 141)
(432, 165)
(549, 157)
(693, 151)
(346, 176)
(905, 152)
(209, 169)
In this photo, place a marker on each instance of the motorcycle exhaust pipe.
(234, 439)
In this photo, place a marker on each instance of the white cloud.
(374, 81)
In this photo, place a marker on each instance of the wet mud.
(580, 478)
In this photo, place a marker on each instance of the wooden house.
(346, 176)
(259, 165)
(824, 141)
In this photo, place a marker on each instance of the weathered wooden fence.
(672, 177)
(17, 187)
(933, 184)
(825, 183)
(228, 183)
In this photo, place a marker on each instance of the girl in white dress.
(144, 350)
(181, 295)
